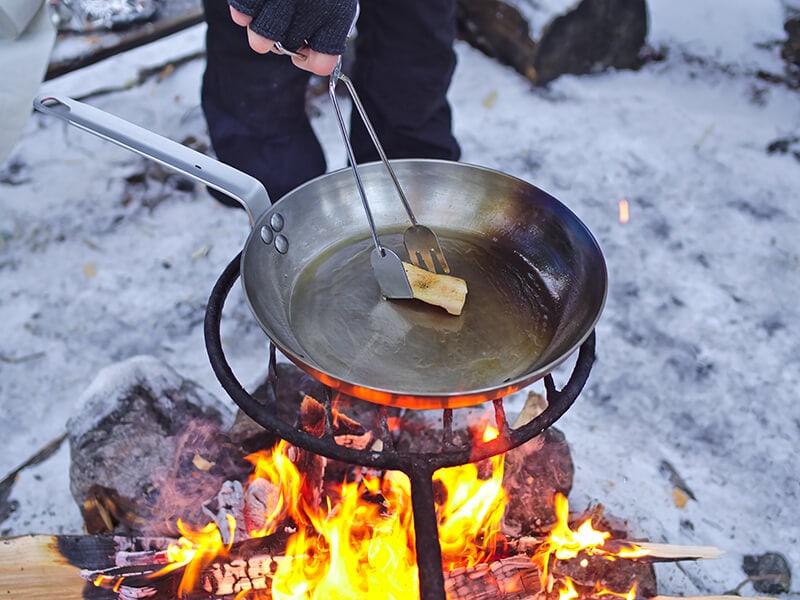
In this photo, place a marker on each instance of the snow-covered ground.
(698, 358)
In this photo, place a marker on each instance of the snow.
(697, 350)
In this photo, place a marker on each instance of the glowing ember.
(624, 213)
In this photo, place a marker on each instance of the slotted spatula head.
(391, 275)
(423, 248)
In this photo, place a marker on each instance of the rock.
(594, 36)
(147, 447)
(769, 572)
(790, 51)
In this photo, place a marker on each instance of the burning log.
(633, 550)
(512, 578)
(39, 567)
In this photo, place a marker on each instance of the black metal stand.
(418, 466)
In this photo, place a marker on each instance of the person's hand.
(315, 29)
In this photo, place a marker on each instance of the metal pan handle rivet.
(267, 235)
(277, 222)
(281, 244)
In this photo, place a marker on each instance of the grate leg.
(429, 549)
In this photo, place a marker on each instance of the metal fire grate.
(418, 466)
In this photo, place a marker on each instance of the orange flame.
(356, 548)
(365, 544)
(565, 543)
(469, 519)
(567, 590)
(629, 595)
(276, 467)
(194, 550)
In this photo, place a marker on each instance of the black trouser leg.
(254, 106)
(403, 68)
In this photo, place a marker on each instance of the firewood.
(511, 578)
(651, 552)
(445, 291)
(498, 30)
(670, 552)
(248, 565)
(260, 500)
(42, 567)
(594, 35)
(33, 567)
(311, 465)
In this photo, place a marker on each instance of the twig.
(144, 75)
(15, 360)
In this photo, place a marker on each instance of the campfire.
(302, 526)
(294, 524)
(358, 543)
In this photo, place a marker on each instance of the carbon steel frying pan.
(536, 276)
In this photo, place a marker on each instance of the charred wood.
(534, 473)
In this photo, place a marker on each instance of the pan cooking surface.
(347, 329)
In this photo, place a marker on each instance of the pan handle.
(250, 193)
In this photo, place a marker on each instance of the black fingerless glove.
(321, 24)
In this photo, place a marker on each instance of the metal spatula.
(420, 241)
(388, 267)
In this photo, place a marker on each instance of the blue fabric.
(255, 104)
